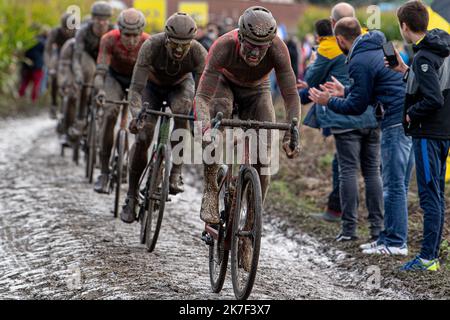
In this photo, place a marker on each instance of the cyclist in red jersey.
(117, 56)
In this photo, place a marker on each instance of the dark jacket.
(371, 82)
(428, 90)
(36, 55)
(331, 62)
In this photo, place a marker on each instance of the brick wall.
(286, 13)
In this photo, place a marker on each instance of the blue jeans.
(396, 149)
(431, 157)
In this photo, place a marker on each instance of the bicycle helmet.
(257, 25)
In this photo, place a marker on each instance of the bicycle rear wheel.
(246, 239)
(157, 194)
(121, 136)
(218, 256)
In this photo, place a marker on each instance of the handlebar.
(219, 121)
(147, 112)
(102, 101)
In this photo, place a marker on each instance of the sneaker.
(418, 264)
(370, 245)
(383, 249)
(343, 238)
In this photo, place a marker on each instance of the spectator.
(227, 26)
(208, 37)
(371, 82)
(291, 43)
(32, 70)
(330, 63)
(385, 89)
(427, 120)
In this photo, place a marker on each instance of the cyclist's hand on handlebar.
(100, 97)
(291, 154)
(133, 126)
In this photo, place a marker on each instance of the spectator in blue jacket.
(329, 64)
(374, 84)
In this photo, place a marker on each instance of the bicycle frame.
(234, 182)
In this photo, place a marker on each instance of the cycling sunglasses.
(250, 46)
(175, 45)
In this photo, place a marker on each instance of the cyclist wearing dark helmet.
(56, 39)
(163, 71)
(237, 70)
(117, 56)
(86, 51)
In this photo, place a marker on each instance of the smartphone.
(389, 53)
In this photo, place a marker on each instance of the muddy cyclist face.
(129, 40)
(100, 25)
(177, 51)
(253, 54)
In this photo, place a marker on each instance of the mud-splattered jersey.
(56, 39)
(155, 65)
(225, 60)
(87, 40)
(114, 54)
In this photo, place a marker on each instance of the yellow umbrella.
(440, 15)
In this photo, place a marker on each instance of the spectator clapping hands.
(330, 89)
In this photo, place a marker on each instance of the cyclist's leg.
(256, 104)
(180, 100)
(89, 67)
(65, 77)
(113, 91)
(138, 155)
(222, 102)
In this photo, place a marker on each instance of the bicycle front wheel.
(157, 196)
(246, 239)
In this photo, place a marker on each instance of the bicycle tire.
(119, 168)
(159, 179)
(91, 146)
(218, 271)
(249, 180)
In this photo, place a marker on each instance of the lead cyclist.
(237, 71)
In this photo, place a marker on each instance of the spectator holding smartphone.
(427, 120)
(372, 85)
(331, 64)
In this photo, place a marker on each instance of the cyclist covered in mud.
(164, 72)
(67, 88)
(118, 54)
(237, 71)
(86, 52)
(55, 41)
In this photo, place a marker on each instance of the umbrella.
(440, 15)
